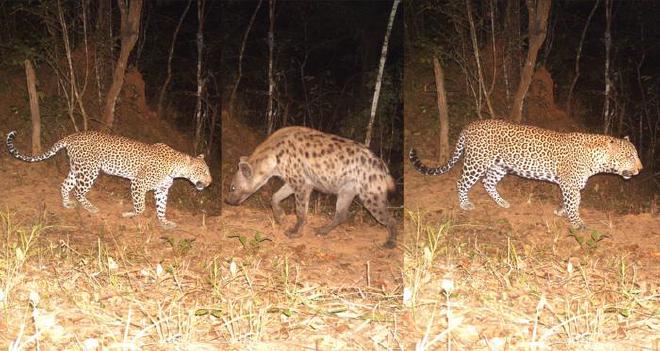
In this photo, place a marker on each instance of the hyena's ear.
(245, 167)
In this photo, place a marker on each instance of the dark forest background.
(500, 31)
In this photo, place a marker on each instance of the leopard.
(147, 166)
(494, 148)
(306, 160)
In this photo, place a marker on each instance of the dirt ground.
(333, 292)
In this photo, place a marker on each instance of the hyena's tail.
(46, 155)
(421, 168)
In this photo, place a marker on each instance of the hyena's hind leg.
(85, 177)
(376, 203)
(345, 197)
(68, 185)
(302, 204)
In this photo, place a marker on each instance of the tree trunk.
(577, 59)
(379, 79)
(200, 78)
(34, 107)
(538, 11)
(271, 82)
(103, 61)
(607, 115)
(443, 153)
(130, 30)
(163, 89)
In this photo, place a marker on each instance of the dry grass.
(170, 294)
(472, 294)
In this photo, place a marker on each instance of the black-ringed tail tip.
(412, 156)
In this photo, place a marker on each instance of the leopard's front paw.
(165, 224)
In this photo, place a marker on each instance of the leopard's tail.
(421, 168)
(46, 155)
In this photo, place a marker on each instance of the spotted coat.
(149, 167)
(306, 160)
(494, 148)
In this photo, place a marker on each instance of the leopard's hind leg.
(472, 172)
(493, 176)
(68, 185)
(84, 179)
(138, 192)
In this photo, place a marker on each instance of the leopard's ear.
(200, 156)
(626, 138)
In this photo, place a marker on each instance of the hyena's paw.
(389, 244)
(278, 215)
(323, 231)
(295, 231)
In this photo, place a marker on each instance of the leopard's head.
(198, 172)
(622, 158)
(249, 177)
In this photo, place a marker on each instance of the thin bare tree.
(232, 96)
(34, 107)
(199, 120)
(607, 114)
(75, 94)
(538, 11)
(475, 49)
(577, 58)
(168, 77)
(270, 114)
(130, 12)
(441, 99)
(381, 68)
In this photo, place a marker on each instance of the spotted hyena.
(306, 159)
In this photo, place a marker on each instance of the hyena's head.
(249, 178)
